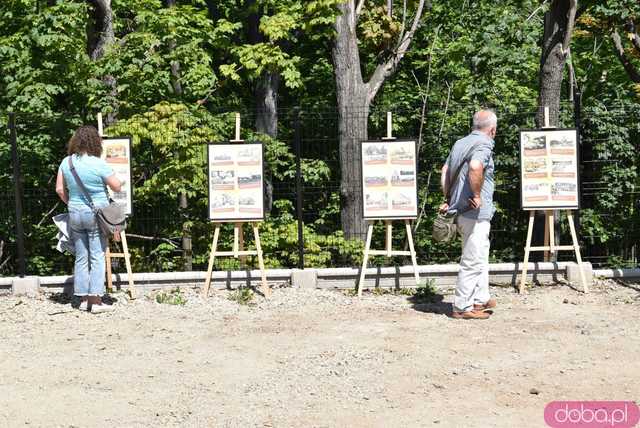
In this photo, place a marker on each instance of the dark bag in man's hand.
(445, 227)
(110, 219)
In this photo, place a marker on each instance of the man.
(471, 198)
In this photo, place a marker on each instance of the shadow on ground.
(430, 302)
(65, 299)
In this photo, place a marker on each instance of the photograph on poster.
(116, 152)
(535, 146)
(375, 154)
(389, 179)
(236, 186)
(549, 169)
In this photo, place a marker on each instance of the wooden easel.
(550, 246)
(237, 250)
(388, 251)
(125, 247)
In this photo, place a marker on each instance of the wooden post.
(389, 128)
(212, 256)
(552, 234)
(546, 235)
(527, 248)
(414, 259)
(100, 127)
(546, 117)
(576, 249)
(265, 287)
(237, 251)
(551, 246)
(237, 138)
(127, 261)
(388, 250)
(365, 258)
(107, 255)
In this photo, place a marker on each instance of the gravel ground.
(315, 358)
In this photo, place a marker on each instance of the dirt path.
(316, 358)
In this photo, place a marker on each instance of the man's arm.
(476, 177)
(445, 187)
(443, 179)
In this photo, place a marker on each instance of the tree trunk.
(99, 35)
(553, 60)
(353, 109)
(183, 202)
(558, 26)
(266, 95)
(354, 97)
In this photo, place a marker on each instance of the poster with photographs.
(389, 179)
(235, 181)
(549, 169)
(117, 153)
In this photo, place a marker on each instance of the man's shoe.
(470, 315)
(490, 304)
(98, 309)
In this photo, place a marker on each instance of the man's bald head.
(485, 121)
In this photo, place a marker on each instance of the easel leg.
(107, 260)
(365, 259)
(243, 259)
(389, 240)
(413, 252)
(212, 255)
(552, 236)
(265, 287)
(576, 248)
(127, 262)
(546, 235)
(527, 249)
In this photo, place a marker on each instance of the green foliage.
(427, 293)
(242, 296)
(173, 297)
(465, 55)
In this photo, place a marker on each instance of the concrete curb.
(444, 276)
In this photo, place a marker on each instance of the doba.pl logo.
(592, 414)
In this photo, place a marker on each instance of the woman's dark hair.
(85, 140)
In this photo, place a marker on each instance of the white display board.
(549, 169)
(116, 151)
(236, 177)
(389, 179)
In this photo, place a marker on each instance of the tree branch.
(385, 69)
(571, 22)
(622, 56)
(359, 9)
(153, 238)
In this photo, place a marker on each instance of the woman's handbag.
(445, 227)
(110, 219)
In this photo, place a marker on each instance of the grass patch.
(242, 296)
(173, 297)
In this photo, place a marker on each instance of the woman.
(85, 148)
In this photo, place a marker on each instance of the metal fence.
(302, 226)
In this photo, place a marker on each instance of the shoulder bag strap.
(454, 181)
(80, 184)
